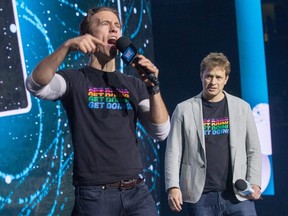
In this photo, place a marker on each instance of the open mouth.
(112, 41)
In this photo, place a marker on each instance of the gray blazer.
(185, 158)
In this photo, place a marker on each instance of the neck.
(107, 66)
(216, 98)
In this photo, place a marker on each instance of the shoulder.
(69, 73)
(190, 101)
(237, 102)
(188, 104)
(235, 99)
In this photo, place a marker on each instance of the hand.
(257, 193)
(145, 63)
(87, 44)
(175, 199)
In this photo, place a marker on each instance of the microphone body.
(129, 55)
(244, 187)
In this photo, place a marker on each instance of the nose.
(213, 80)
(113, 28)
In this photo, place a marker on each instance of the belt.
(124, 185)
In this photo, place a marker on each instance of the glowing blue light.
(254, 81)
(39, 179)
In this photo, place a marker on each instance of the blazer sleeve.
(173, 151)
(253, 149)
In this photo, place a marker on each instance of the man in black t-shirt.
(103, 107)
(213, 142)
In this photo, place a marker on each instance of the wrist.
(152, 90)
(172, 189)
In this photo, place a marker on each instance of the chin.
(113, 53)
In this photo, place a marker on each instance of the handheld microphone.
(129, 55)
(244, 187)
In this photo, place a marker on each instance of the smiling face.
(213, 82)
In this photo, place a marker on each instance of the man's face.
(106, 26)
(213, 83)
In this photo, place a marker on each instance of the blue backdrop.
(35, 148)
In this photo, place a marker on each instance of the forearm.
(174, 150)
(253, 150)
(172, 161)
(158, 111)
(45, 70)
(158, 131)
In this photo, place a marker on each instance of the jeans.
(221, 204)
(101, 201)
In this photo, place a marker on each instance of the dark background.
(184, 32)
(35, 146)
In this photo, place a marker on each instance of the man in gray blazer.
(212, 143)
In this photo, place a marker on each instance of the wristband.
(152, 90)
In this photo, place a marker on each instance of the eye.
(117, 24)
(209, 76)
(105, 23)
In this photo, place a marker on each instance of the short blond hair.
(215, 59)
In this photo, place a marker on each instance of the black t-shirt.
(102, 112)
(216, 130)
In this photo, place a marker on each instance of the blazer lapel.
(232, 135)
(198, 118)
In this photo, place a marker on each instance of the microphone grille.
(240, 184)
(123, 43)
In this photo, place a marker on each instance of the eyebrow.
(109, 21)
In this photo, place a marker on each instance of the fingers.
(96, 41)
(175, 204)
(146, 63)
(257, 193)
(254, 196)
(175, 200)
(87, 46)
(86, 43)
